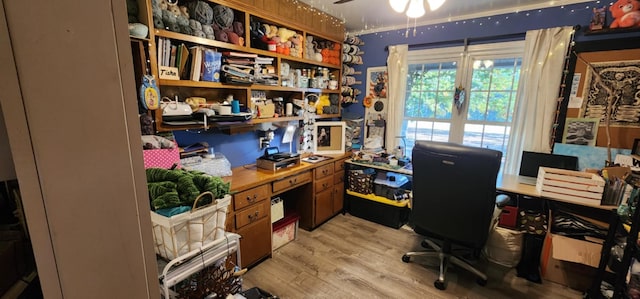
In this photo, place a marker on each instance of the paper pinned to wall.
(575, 83)
(575, 102)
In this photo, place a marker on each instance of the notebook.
(531, 161)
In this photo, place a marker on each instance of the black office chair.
(454, 201)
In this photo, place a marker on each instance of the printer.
(273, 160)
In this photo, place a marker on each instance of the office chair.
(454, 202)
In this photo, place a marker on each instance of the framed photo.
(635, 150)
(329, 137)
(581, 131)
(598, 19)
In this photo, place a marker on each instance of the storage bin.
(182, 233)
(361, 181)
(161, 158)
(377, 209)
(390, 185)
(284, 231)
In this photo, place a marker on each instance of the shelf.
(207, 84)
(219, 44)
(198, 40)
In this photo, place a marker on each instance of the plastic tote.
(182, 233)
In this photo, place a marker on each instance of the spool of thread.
(235, 106)
(289, 109)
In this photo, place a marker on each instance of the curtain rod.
(465, 41)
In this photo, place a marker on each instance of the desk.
(509, 183)
(313, 190)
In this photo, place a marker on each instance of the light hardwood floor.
(349, 257)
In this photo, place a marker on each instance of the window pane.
(425, 130)
(498, 107)
(481, 78)
(473, 135)
(444, 105)
(477, 105)
(487, 136)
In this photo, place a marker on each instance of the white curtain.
(540, 79)
(397, 69)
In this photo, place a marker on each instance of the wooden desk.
(313, 190)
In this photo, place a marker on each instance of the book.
(239, 54)
(160, 50)
(211, 65)
(172, 56)
(196, 63)
(167, 52)
(184, 57)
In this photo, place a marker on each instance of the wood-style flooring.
(348, 257)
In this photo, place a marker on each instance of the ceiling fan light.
(416, 9)
(435, 4)
(398, 5)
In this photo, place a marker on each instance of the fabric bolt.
(397, 71)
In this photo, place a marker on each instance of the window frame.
(464, 57)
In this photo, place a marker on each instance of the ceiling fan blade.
(342, 1)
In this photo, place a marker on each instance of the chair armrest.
(502, 200)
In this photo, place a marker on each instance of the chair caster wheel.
(406, 258)
(440, 285)
(482, 282)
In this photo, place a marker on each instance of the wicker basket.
(182, 233)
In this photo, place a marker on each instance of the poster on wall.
(375, 103)
(623, 79)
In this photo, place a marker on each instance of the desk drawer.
(292, 181)
(339, 165)
(323, 184)
(251, 196)
(252, 214)
(324, 171)
(338, 177)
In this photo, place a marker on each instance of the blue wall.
(242, 149)
(479, 30)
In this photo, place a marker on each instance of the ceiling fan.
(342, 1)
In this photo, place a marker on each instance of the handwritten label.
(167, 72)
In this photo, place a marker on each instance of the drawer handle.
(325, 171)
(251, 200)
(254, 216)
(291, 182)
(325, 185)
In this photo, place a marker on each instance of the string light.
(495, 19)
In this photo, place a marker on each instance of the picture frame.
(581, 131)
(329, 137)
(635, 150)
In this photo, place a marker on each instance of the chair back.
(454, 191)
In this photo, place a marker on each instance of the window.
(489, 75)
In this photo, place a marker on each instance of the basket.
(182, 233)
(361, 182)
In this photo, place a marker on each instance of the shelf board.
(207, 84)
(198, 40)
(219, 44)
(274, 119)
(319, 116)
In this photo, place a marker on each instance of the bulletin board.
(619, 68)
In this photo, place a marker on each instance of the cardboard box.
(577, 251)
(573, 275)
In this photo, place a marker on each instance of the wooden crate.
(572, 186)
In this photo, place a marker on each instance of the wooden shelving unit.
(215, 92)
